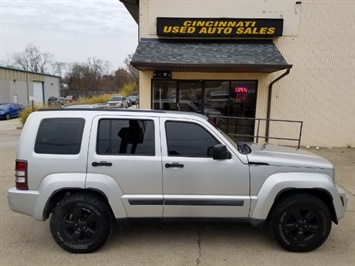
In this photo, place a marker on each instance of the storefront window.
(190, 96)
(243, 98)
(213, 98)
(224, 98)
(216, 98)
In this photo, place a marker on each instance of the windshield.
(4, 106)
(241, 146)
(132, 97)
(116, 98)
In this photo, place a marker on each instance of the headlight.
(1, 113)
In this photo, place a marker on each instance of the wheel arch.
(319, 193)
(59, 195)
(281, 184)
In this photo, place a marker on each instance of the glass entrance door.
(164, 95)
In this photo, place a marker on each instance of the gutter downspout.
(267, 129)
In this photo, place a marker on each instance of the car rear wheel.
(81, 223)
(300, 223)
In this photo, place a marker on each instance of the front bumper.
(340, 203)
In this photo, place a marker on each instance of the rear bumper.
(23, 201)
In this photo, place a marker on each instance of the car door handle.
(101, 164)
(174, 165)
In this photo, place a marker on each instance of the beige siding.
(151, 9)
(8, 74)
(320, 89)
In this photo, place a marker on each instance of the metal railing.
(239, 128)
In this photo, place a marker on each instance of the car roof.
(138, 112)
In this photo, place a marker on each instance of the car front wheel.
(81, 223)
(300, 222)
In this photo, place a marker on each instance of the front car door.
(127, 150)
(195, 185)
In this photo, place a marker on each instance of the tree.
(59, 68)
(132, 71)
(32, 59)
(121, 77)
(93, 75)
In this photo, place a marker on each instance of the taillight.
(21, 174)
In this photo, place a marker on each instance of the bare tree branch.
(32, 59)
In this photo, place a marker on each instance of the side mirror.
(220, 152)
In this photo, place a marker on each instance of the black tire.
(8, 116)
(81, 223)
(300, 222)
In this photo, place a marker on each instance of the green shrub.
(103, 98)
(128, 89)
(26, 112)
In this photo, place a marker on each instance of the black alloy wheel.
(300, 223)
(81, 223)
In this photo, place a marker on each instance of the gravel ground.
(24, 241)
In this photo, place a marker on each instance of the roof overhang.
(243, 57)
(133, 8)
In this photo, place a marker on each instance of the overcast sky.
(71, 30)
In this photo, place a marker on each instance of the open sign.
(241, 90)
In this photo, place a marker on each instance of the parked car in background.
(70, 98)
(80, 106)
(133, 99)
(129, 102)
(58, 101)
(118, 101)
(184, 105)
(10, 110)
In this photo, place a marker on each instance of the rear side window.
(60, 136)
(126, 137)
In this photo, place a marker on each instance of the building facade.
(23, 87)
(268, 59)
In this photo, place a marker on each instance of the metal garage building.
(22, 86)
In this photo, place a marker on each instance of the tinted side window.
(60, 136)
(126, 137)
(188, 140)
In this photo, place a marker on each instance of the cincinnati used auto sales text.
(219, 27)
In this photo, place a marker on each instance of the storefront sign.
(219, 27)
(241, 94)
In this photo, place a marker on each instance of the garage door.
(38, 92)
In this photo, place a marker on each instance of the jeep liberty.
(86, 168)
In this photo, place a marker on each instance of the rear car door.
(194, 184)
(127, 150)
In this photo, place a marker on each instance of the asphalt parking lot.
(24, 241)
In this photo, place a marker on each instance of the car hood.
(284, 156)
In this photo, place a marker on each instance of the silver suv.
(84, 169)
